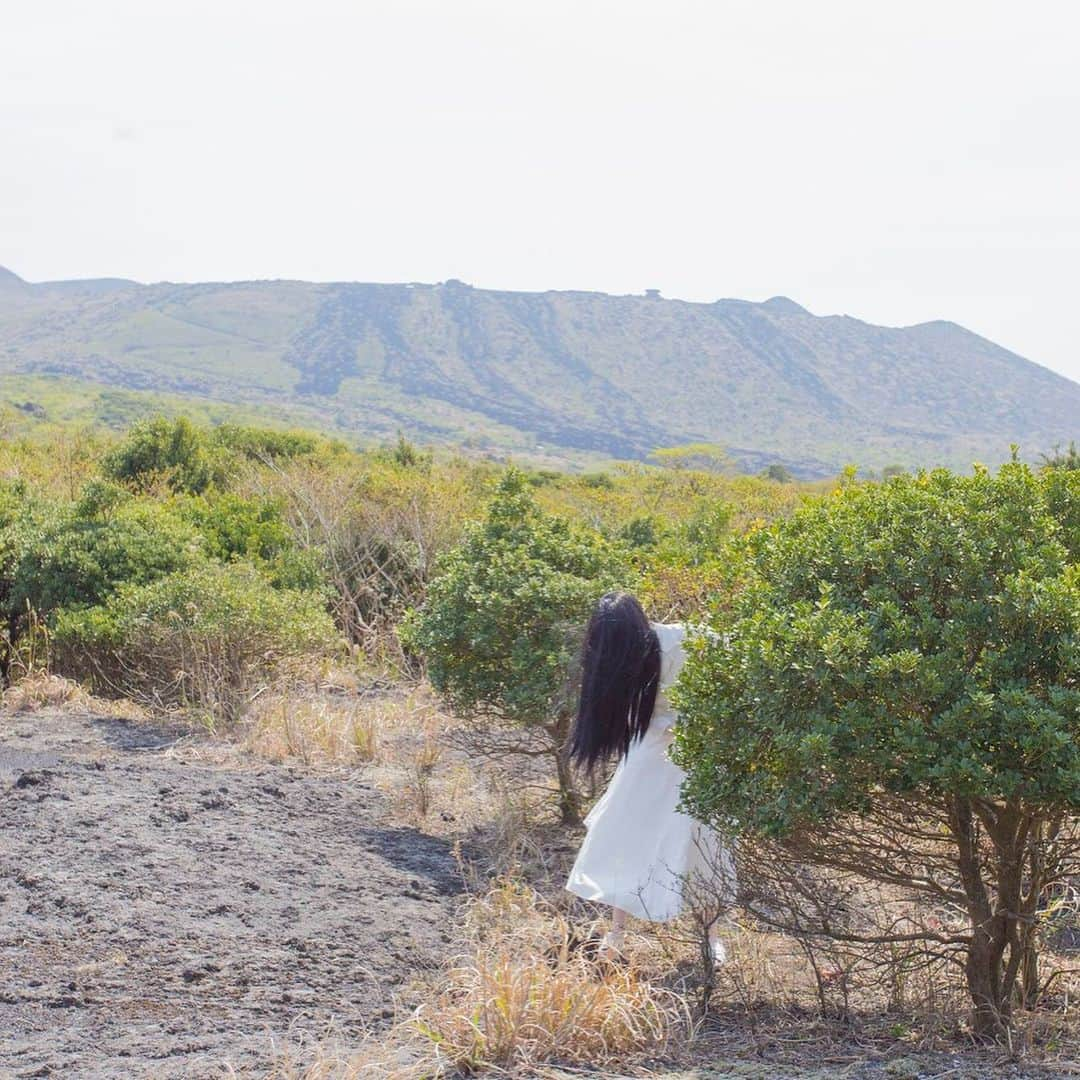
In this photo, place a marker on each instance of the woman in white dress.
(640, 851)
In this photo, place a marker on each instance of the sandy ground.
(161, 916)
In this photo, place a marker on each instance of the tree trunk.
(569, 797)
(1035, 855)
(982, 968)
(990, 1012)
(1029, 975)
(1002, 963)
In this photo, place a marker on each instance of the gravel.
(162, 916)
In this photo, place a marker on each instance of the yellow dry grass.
(314, 729)
(399, 734)
(523, 992)
(526, 992)
(39, 690)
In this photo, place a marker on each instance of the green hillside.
(564, 375)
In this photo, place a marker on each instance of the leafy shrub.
(264, 444)
(689, 563)
(540, 477)
(255, 530)
(706, 529)
(601, 480)
(207, 637)
(780, 473)
(67, 560)
(17, 511)
(173, 451)
(14, 512)
(100, 497)
(501, 625)
(404, 454)
(676, 522)
(896, 692)
(642, 531)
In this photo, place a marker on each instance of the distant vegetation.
(550, 377)
(1068, 458)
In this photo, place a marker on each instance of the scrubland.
(253, 595)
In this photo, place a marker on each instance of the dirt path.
(160, 917)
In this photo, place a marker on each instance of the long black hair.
(620, 677)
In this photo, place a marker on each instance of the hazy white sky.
(898, 162)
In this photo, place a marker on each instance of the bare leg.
(615, 938)
(716, 948)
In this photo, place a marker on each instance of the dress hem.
(631, 904)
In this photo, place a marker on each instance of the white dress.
(640, 850)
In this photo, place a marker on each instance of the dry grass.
(766, 1003)
(345, 717)
(525, 991)
(391, 1056)
(397, 732)
(313, 728)
(528, 991)
(428, 782)
(421, 772)
(40, 690)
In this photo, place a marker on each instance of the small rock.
(33, 777)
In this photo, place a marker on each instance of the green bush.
(903, 662)
(236, 528)
(780, 473)
(404, 454)
(207, 637)
(501, 625)
(15, 513)
(63, 559)
(264, 444)
(704, 532)
(688, 562)
(161, 450)
(101, 497)
(643, 531)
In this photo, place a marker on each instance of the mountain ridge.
(551, 371)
